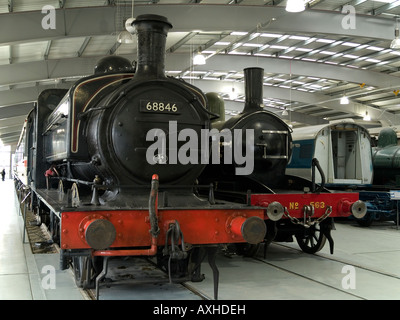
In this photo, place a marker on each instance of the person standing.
(3, 174)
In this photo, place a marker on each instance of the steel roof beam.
(25, 95)
(37, 70)
(286, 66)
(58, 69)
(293, 116)
(353, 3)
(15, 110)
(77, 22)
(386, 7)
(83, 46)
(309, 99)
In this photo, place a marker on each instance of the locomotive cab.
(64, 121)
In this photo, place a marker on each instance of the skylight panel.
(255, 45)
(279, 47)
(325, 40)
(238, 52)
(308, 59)
(303, 49)
(299, 38)
(373, 60)
(315, 86)
(329, 53)
(351, 56)
(263, 55)
(271, 35)
(238, 33)
(350, 44)
(375, 48)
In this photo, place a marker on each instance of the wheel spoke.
(312, 241)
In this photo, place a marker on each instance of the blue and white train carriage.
(343, 150)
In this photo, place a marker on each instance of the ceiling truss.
(309, 60)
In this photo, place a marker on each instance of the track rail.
(236, 267)
(141, 279)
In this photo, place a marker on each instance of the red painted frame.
(340, 203)
(199, 226)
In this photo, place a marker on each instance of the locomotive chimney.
(152, 36)
(253, 81)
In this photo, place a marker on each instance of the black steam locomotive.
(308, 215)
(102, 161)
(269, 143)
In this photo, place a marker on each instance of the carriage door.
(346, 159)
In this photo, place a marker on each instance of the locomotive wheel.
(311, 240)
(80, 270)
(85, 271)
(43, 215)
(247, 249)
(366, 221)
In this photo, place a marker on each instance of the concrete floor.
(365, 265)
(24, 276)
(371, 254)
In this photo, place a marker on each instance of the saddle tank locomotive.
(96, 187)
(307, 215)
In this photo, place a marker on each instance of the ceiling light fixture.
(396, 41)
(295, 6)
(233, 94)
(199, 59)
(126, 36)
(344, 100)
(367, 117)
